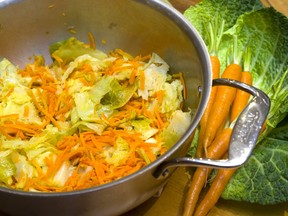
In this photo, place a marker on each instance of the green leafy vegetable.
(7, 169)
(177, 126)
(119, 153)
(155, 76)
(118, 96)
(68, 50)
(143, 126)
(264, 178)
(208, 11)
(102, 87)
(15, 101)
(264, 32)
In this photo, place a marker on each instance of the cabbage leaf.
(178, 125)
(264, 178)
(68, 50)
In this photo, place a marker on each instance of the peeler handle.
(244, 135)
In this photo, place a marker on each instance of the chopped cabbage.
(155, 76)
(118, 154)
(178, 124)
(86, 119)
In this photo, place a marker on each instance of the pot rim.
(178, 18)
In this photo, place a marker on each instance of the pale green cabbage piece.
(68, 50)
(19, 98)
(178, 125)
(143, 126)
(118, 95)
(173, 96)
(101, 88)
(155, 76)
(118, 154)
(84, 106)
(7, 169)
(95, 63)
(63, 174)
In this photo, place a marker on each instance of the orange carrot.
(10, 116)
(142, 80)
(241, 97)
(215, 74)
(219, 183)
(221, 106)
(222, 126)
(220, 145)
(26, 111)
(132, 77)
(195, 188)
(216, 150)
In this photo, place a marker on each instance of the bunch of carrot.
(224, 106)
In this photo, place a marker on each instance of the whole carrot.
(223, 125)
(199, 179)
(218, 185)
(215, 74)
(221, 106)
(215, 31)
(241, 97)
(217, 149)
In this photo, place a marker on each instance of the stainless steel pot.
(28, 27)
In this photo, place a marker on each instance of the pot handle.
(244, 135)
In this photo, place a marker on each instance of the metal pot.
(137, 26)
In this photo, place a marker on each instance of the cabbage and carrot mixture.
(87, 119)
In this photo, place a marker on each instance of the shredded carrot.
(51, 89)
(44, 111)
(142, 80)
(57, 58)
(159, 120)
(26, 111)
(92, 40)
(159, 95)
(8, 93)
(132, 77)
(10, 116)
(19, 127)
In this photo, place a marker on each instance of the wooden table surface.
(170, 202)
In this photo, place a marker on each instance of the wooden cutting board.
(170, 202)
